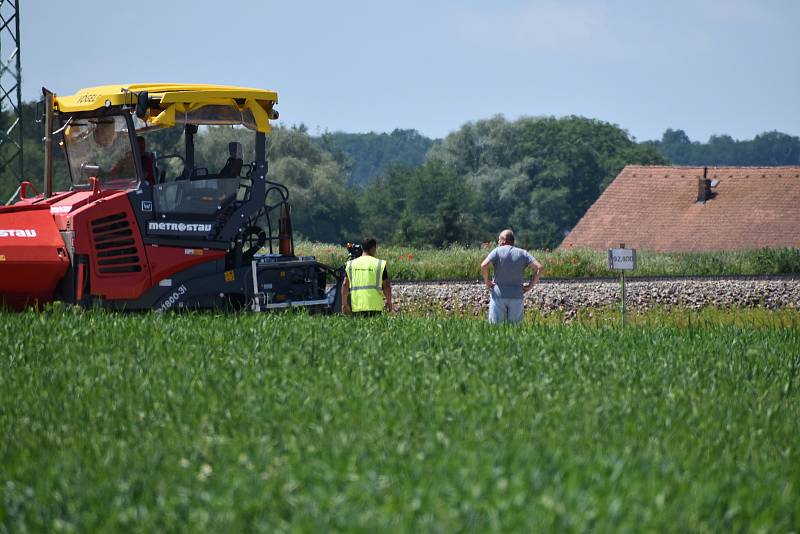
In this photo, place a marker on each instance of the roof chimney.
(704, 187)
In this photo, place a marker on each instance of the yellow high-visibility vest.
(365, 277)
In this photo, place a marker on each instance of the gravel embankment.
(570, 296)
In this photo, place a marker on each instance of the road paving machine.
(139, 230)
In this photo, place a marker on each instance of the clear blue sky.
(706, 66)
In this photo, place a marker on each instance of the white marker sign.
(622, 259)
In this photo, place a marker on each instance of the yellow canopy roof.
(173, 97)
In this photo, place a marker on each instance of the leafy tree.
(775, 148)
(423, 206)
(382, 203)
(676, 145)
(324, 208)
(365, 156)
(539, 175)
(440, 207)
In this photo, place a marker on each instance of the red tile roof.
(656, 209)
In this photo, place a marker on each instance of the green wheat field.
(288, 422)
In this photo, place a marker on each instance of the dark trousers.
(370, 313)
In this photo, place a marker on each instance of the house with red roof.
(694, 209)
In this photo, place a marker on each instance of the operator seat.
(234, 164)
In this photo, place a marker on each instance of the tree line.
(766, 149)
(366, 155)
(537, 175)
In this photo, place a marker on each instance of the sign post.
(622, 259)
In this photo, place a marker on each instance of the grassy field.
(464, 263)
(242, 423)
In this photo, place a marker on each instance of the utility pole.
(10, 90)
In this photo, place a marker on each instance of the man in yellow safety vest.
(366, 283)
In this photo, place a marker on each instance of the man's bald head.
(506, 237)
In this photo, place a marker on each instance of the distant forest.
(367, 155)
(537, 175)
(766, 149)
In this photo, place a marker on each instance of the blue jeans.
(502, 310)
